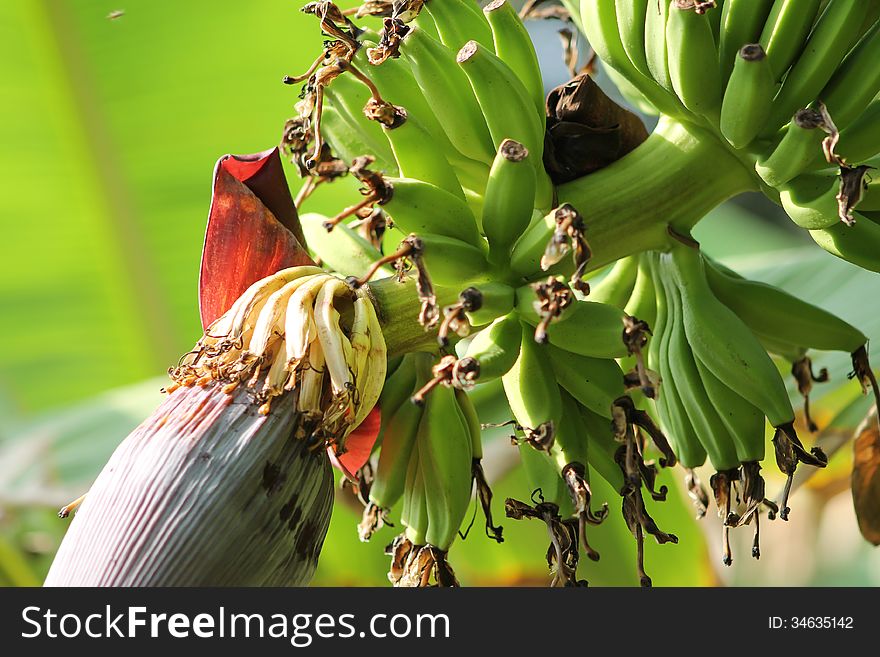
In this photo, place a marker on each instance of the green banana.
(509, 199)
(399, 428)
(530, 386)
(348, 97)
(496, 348)
(448, 260)
(617, 285)
(642, 302)
(856, 82)
(414, 512)
(507, 109)
(767, 310)
(858, 244)
(673, 418)
(514, 47)
(417, 206)
(861, 139)
(459, 21)
(796, 152)
(683, 372)
(810, 200)
(594, 382)
(741, 23)
(689, 40)
(656, 44)
(630, 18)
(497, 300)
(744, 422)
(525, 257)
(345, 141)
(409, 141)
(748, 97)
(785, 32)
(446, 88)
(724, 343)
(343, 249)
(445, 459)
(585, 327)
(831, 38)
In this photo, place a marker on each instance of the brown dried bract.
(586, 130)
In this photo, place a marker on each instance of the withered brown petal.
(866, 482)
(253, 230)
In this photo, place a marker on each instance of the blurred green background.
(110, 130)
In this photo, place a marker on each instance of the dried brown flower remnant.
(586, 130)
(563, 553)
(851, 190)
(569, 236)
(802, 371)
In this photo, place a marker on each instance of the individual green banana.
(397, 84)
(689, 42)
(447, 89)
(346, 142)
(507, 109)
(642, 303)
(514, 47)
(831, 38)
(858, 244)
(342, 249)
(496, 348)
(445, 459)
(348, 96)
(399, 386)
(656, 44)
(600, 25)
(594, 382)
(724, 343)
(530, 386)
(472, 419)
(744, 422)
(585, 327)
(617, 285)
(398, 429)
(785, 32)
(855, 84)
(525, 257)
(796, 152)
(683, 372)
(414, 513)
(741, 23)
(417, 206)
(496, 300)
(748, 97)
(459, 21)
(810, 200)
(570, 444)
(630, 18)
(449, 261)
(770, 311)
(509, 199)
(860, 141)
(409, 142)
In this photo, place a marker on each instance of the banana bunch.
(790, 85)
(300, 331)
(429, 459)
